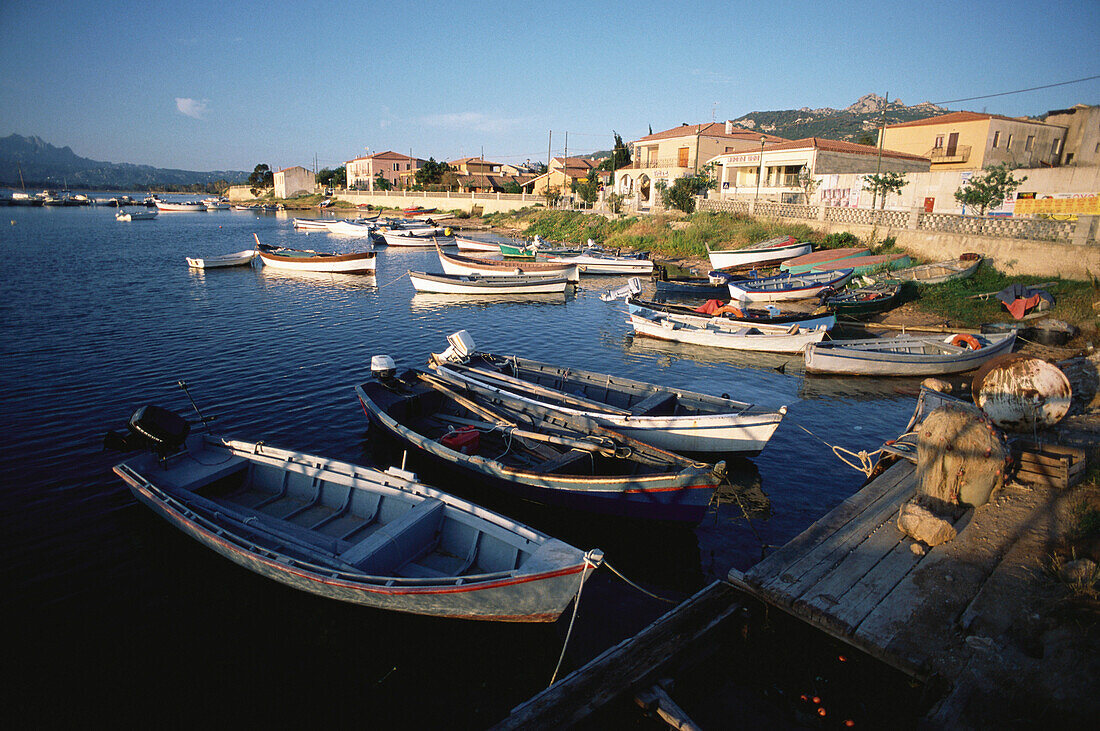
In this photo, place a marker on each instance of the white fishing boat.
(907, 355)
(180, 206)
(771, 251)
(305, 260)
(215, 204)
(786, 287)
(669, 418)
(428, 237)
(347, 532)
(475, 284)
(595, 262)
(670, 327)
(457, 264)
(236, 259)
(145, 215)
(314, 224)
(349, 228)
(473, 245)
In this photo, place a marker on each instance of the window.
(1029, 143)
(996, 139)
(1054, 146)
(396, 167)
(939, 142)
(1008, 142)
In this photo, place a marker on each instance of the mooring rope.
(595, 564)
(398, 279)
(866, 465)
(647, 593)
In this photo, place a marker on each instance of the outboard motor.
(382, 367)
(151, 427)
(461, 347)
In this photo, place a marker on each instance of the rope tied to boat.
(398, 279)
(592, 559)
(866, 463)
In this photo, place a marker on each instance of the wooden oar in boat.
(542, 390)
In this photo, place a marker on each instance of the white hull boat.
(456, 264)
(194, 206)
(145, 215)
(410, 239)
(786, 287)
(605, 264)
(313, 224)
(907, 355)
(772, 251)
(482, 285)
(297, 260)
(472, 245)
(240, 258)
(347, 228)
(748, 338)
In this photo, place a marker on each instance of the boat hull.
(180, 207)
(787, 287)
(446, 284)
(806, 262)
(778, 323)
(357, 263)
(943, 271)
(537, 591)
(241, 258)
(668, 328)
(750, 255)
(899, 356)
(458, 265)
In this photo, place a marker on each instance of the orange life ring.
(729, 309)
(968, 340)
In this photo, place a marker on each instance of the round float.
(1022, 393)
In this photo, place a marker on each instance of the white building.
(293, 181)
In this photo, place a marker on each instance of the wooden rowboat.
(870, 300)
(677, 329)
(240, 258)
(865, 264)
(906, 355)
(771, 251)
(457, 264)
(298, 260)
(787, 286)
(670, 418)
(480, 285)
(559, 462)
(941, 271)
(760, 319)
(359, 535)
(595, 262)
(474, 245)
(806, 262)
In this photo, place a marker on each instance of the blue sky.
(205, 86)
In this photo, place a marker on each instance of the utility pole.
(549, 145)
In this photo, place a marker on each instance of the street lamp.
(760, 172)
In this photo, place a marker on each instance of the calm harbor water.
(115, 612)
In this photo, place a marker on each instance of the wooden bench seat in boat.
(399, 540)
(652, 403)
(563, 460)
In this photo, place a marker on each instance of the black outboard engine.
(153, 428)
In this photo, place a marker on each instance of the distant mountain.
(46, 166)
(854, 123)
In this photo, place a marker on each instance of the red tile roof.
(710, 129)
(821, 143)
(959, 118)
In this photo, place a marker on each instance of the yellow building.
(561, 174)
(973, 141)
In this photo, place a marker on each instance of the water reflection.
(325, 279)
(423, 302)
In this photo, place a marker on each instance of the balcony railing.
(660, 162)
(939, 154)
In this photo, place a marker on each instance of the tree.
(615, 202)
(552, 194)
(333, 178)
(807, 183)
(681, 194)
(620, 155)
(511, 186)
(588, 189)
(380, 182)
(884, 183)
(261, 177)
(431, 173)
(990, 190)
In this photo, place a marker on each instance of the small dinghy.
(941, 271)
(474, 245)
(869, 300)
(713, 335)
(732, 316)
(457, 264)
(771, 251)
(554, 460)
(475, 284)
(907, 355)
(787, 286)
(237, 259)
(146, 215)
(348, 532)
(670, 418)
(299, 260)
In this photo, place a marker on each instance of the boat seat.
(652, 403)
(399, 540)
(562, 460)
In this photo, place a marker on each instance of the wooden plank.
(626, 665)
(820, 560)
(782, 560)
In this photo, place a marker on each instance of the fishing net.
(961, 458)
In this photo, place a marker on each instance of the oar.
(540, 390)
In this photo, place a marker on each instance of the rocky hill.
(858, 122)
(44, 166)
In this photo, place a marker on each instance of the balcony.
(938, 155)
(659, 162)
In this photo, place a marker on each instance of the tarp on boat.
(1019, 299)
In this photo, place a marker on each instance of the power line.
(1019, 91)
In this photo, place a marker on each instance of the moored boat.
(941, 271)
(236, 259)
(872, 299)
(771, 251)
(865, 264)
(481, 285)
(592, 261)
(558, 462)
(464, 244)
(180, 206)
(417, 238)
(732, 316)
(907, 355)
(281, 257)
(313, 224)
(359, 535)
(787, 286)
(458, 264)
(350, 228)
(806, 262)
(712, 335)
(670, 418)
(128, 215)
